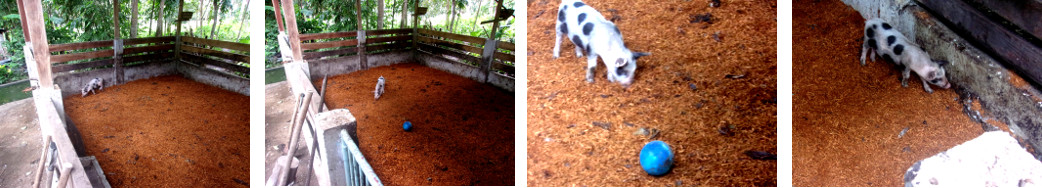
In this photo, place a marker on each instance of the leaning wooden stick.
(43, 161)
(298, 123)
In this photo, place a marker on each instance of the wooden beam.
(78, 66)
(314, 36)
(330, 44)
(152, 48)
(1016, 52)
(387, 39)
(1023, 13)
(245, 48)
(278, 15)
(215, 53)
(21, 14)
(505, 45)
(388, 31)
(80, 56)
(337, 52)
(453, 36)
(34, 17)
(148, 40)
(291, 30)
(79, 45)
(203, 60)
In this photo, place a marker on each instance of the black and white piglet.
(379, 88)
(884, 40)
(96, 83)
(597, 37)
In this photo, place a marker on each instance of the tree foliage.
(71, 21)
(324, 16)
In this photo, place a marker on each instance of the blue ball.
(656, 158)
(407, 126)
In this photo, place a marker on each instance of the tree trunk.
(159, 19)
(201, 13)
(452, 16)
(380, 14)
(242, 21)
(216, 11)
(405, 12)
(152, 21)
(133, 18)
(358, 15)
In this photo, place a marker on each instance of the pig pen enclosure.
(456, 90)
(173, 111)
(708, 90)
(856, 126)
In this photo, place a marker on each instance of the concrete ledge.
(501, 81)
(973, 73)
(349, 64)
(449, 66)
(329, 125)
(222, 80)
(993, 159)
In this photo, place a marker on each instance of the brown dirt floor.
(166, 131)
(462, 130)
(847, 118)
(566, 149)
(20, 143)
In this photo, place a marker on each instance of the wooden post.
(177, 32)
(363, 62)
(41, 50)
(278, 15)
(495, 24)
(21, 14)
(117, 44)
(292, 32)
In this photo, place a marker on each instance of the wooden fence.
(229, 57)
(319, 46)
(468, 50)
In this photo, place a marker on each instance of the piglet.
(597, 37)
(379, 88)
(96, 83)
(884, 40)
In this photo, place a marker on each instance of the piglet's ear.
(640, 54)
(940, 62)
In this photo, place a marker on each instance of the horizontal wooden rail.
(387, 39)
(315, 36)
(447, 44)
(388, 46)
(330, 44)
(83, 55)
(456, 54)
(154, 48)
(503, 67)
(207, 61)
(337, 52)
(505, 46)
(453, 36)
(388, 31)
(80, 45)
(215, 53)
(149, 40)
(216, 43)
(504, 56)
(108, 62)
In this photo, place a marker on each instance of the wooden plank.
(453, 36)
(216, 43)
(34, 18)
(322, 54)
(330, 44)
(80, 45)
(1017, 53)
(215, 53)
(452, 45)
(80, 56)
(149, 40)
(202, 60)
(504, 56)
(84, 65)
(503, 67)
(505, 45)
(438, 50)
(388, 32)
(155, 48)
(387, 39)
(148, 57)
(388, 46)
(1023, 13)
(315, 36)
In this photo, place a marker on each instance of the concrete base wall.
(501, 81)
(71, 83)
(973, 73)
(389, 58)
(349, 64)
(222, 80)
(446, 65)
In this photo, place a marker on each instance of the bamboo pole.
(63, 180)
(43, 161)
(298, 122)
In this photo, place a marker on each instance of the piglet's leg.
(864, 51)
(904, 76)
(591, 64)
(557, 42)
(926, 86)
(579, 51)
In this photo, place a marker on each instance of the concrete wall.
(501, 81)
(211, 77)
(71, 83)
(446, 65)
(349, 64)
(974, 74)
